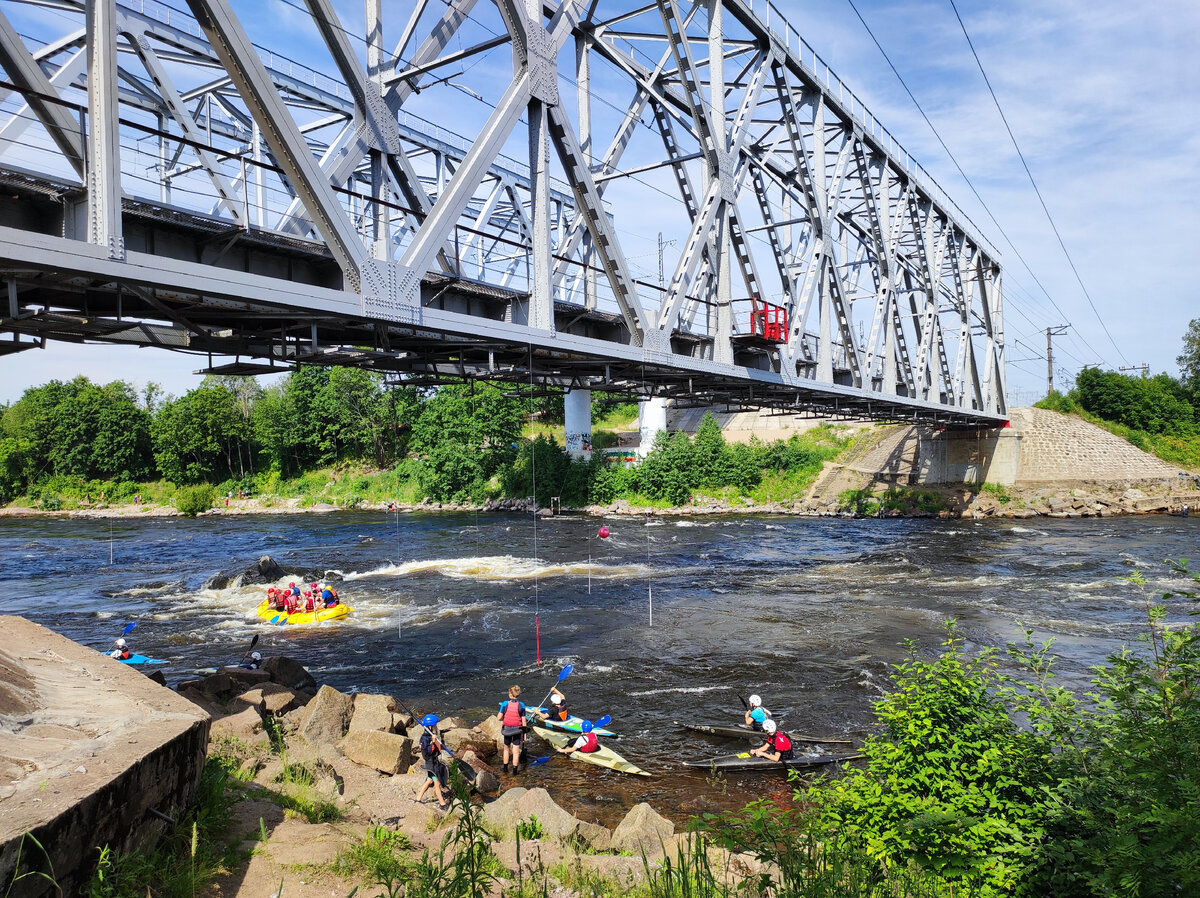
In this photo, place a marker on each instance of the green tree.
(1189, 363)
(709, 453)
(477, 417)
(201, 436)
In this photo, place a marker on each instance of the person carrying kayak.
(512, 726)
(121, 652)
(437, 774)
(778, 746)
(586, 743)
(558, 707)
(756, 714)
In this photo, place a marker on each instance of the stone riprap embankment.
(91, 753)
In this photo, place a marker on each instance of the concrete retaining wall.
(88, 747)
(974, 457)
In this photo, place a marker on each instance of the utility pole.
(1143, 367)
(662, 284)
(1052, 332)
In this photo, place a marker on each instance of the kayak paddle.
(413, 715)
(566, 672)
(253, 643)
(128, 627)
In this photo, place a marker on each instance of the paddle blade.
(128, 627)
(273, 620)
(253, 642)
(603, 721)
(745, 704)
(566, 672)
(537, 761)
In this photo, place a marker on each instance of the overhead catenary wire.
(966, 178)
(1050, 218)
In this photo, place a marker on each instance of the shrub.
(194, 500)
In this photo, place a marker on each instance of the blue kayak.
(571, 725)
(140, 659)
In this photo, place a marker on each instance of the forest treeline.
(83, 442)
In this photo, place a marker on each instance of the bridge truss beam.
(183, 186)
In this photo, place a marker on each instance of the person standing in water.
(512, 727)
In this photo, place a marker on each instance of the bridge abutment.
(990, 455)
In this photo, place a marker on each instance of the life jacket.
(308, 604)
(590, 743)
(514, 713)
(780, 741)
(428, 752)
(125, 655)
(563, 713)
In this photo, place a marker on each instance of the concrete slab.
(88, 746)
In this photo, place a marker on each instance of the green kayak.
(603, 757)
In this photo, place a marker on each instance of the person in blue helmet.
(586, 743)
(756, 714)
(437, 774)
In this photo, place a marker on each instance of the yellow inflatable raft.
(269, 614)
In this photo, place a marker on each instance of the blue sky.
(1104, 99)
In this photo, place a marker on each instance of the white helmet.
(556, 699)
(769, 726)
(755, 701)
(255, 656)
(121, 642)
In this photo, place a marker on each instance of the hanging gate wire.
(537, 608)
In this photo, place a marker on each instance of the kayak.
(603, 757)
(269, 614)
(572, 725)
(744, 732)
(140, 659)
(746, 761)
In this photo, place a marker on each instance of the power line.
(987, 209)
(1041, 199)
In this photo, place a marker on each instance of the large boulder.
(265, 570)
(492, 728)
(643, 831)
(486, 781)
(328, 716)
(460, 740)
(374, 712)
(270, 698)
(286, 672)
(245, 726)
(520, 804)
(386, 752)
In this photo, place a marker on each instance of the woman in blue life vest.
(586, 743)
(778, 746)
(437, 774)
(512, 727)
(756, 714)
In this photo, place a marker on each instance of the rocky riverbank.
(325, 773)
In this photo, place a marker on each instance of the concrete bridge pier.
(577, 408)
(985, 455)
(652, 418)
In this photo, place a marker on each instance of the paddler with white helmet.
(756, 714)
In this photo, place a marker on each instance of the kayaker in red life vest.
(512, 727)
(558, 707)
(778, 746)
(121, 652)
(586, 743)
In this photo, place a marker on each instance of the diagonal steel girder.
(247, 71)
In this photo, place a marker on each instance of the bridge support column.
(652, 418)
(577, 405)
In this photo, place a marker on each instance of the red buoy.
(603, 534)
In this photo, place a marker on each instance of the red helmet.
(313, 585)
(293, 583)
(270, 589)
(307, 593)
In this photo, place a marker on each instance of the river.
(808, 612)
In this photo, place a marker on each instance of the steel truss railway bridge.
(481, 194)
